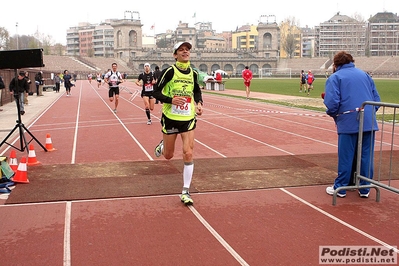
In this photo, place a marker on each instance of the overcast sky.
(56, 17)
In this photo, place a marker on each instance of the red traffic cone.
(21, 176)
(32, 156)
(49, 144)
(12, 161)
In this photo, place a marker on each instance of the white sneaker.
(330, 191)
(362, 195)
(115, 111)
(159, 149)
(149, 122)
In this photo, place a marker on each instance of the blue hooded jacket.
(345, 91)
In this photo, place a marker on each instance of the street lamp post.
(16, 27)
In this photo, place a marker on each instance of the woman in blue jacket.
(346, 89)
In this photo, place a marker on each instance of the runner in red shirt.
(310, 78)
(247, 76)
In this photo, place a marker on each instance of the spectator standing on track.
(302, 81)
(67, 82)
(39, 81)
(113, 78)
(180, 93)
(157, 75)
(346, 89)
(247, 76)
(147, 81)
(57, 81)
(26, 101)
(2, 86)
(19, 88)
(218, 77)
(309, 79)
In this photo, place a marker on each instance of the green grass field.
(387, 88)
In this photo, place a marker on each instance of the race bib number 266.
(182, 109)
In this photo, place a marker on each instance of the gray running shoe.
(159, 149)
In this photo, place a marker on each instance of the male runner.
(310, 78)
(180, 93)
(247, 76)
(147, 81)
(113, 78)
(302, 81)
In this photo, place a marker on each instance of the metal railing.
(386, 166)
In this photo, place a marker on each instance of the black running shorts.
(170, 126)
(112, 91)
(147, 94)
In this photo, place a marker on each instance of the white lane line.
(341, 221)
(273, 128)
(217, 236)
(272, 111)
(248, 137)
(261, 111)
(67, 234)
(196, 140)
(123, 125)
(215, 151)
(75, 135)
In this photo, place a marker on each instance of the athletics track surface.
(102, 198)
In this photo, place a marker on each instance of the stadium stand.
(55, 63)
(370, 64)
(104, 63)
(379, 66)
(384, 67)
(390, 66)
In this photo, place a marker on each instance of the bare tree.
(290, 45)
(46, 42)
(27, 42)
(4, 39)
(58, 48)
(357, 16)
(290, 36)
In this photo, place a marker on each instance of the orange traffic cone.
(49, 144)
(32, 156)
(21, 176)
(12, 161)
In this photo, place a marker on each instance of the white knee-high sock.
(187, 176)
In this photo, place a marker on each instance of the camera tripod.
(20, 126)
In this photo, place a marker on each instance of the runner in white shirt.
(113, 78)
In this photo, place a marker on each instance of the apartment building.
(383, 34)
(339, 33)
